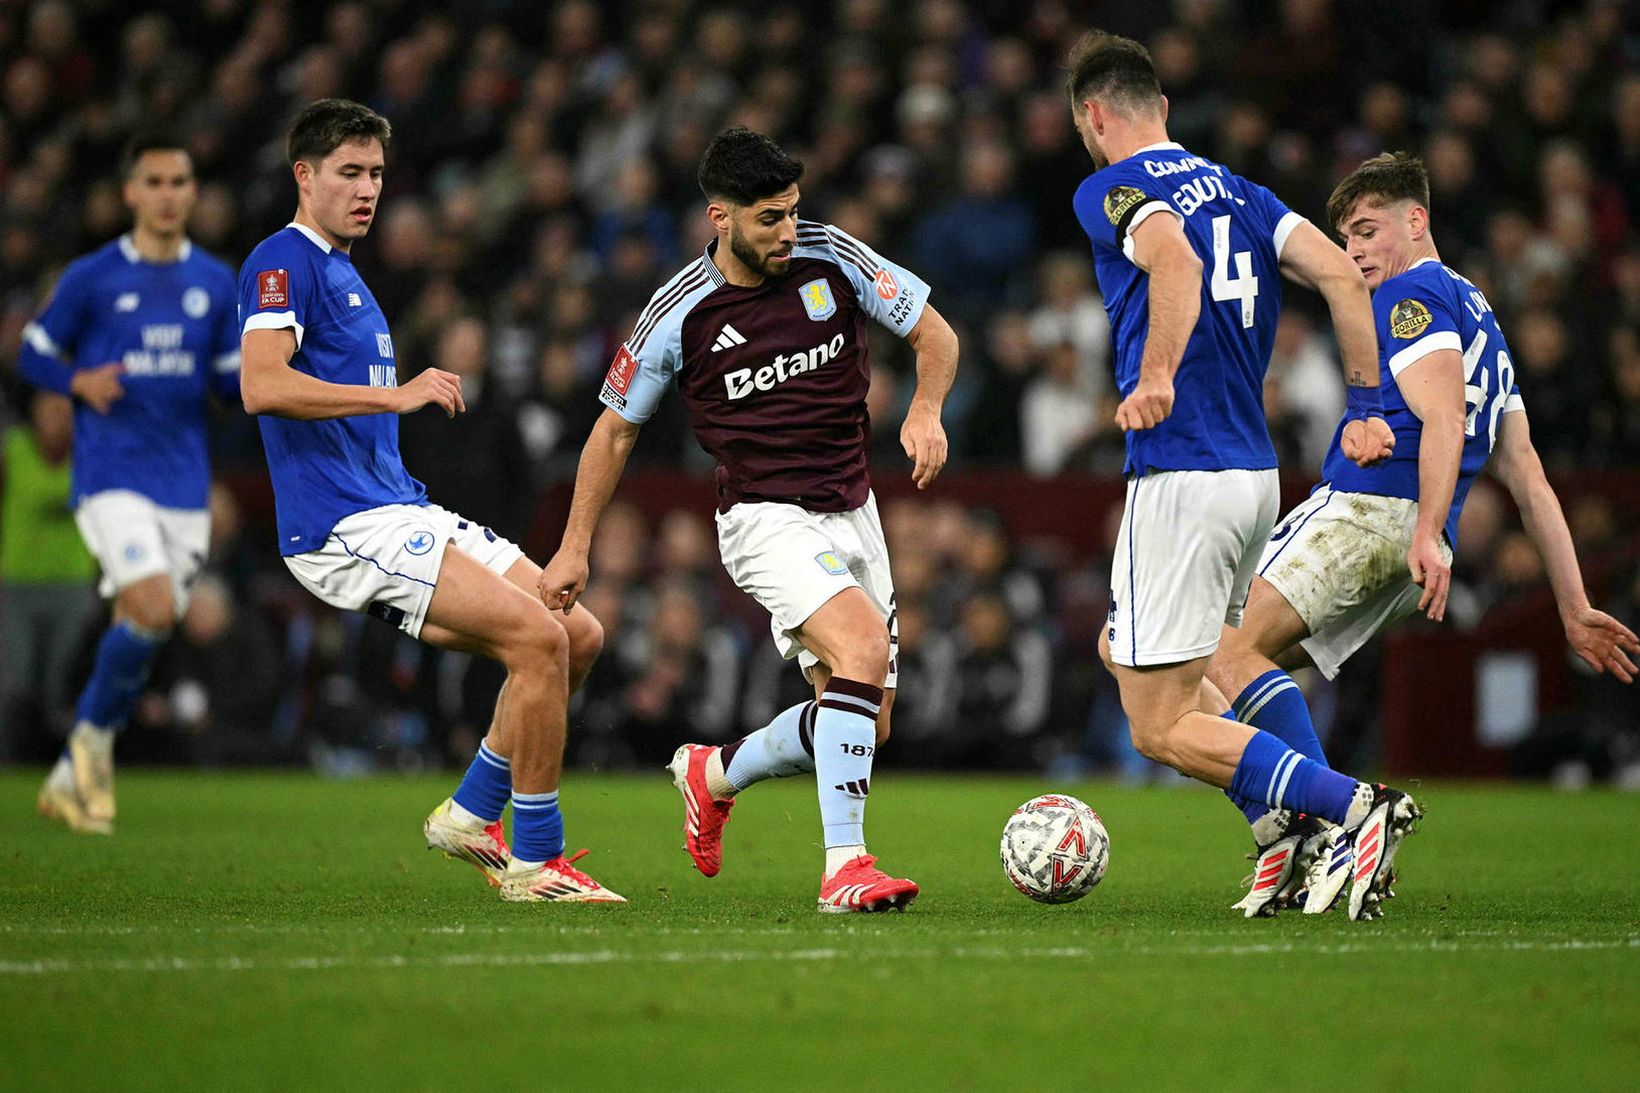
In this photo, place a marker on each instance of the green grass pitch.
(280, 932)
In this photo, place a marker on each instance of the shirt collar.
(128, 247)
(712, 270)
(1424, 260)
(1164, 146)
(317, 239)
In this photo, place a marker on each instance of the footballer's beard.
(759, 263)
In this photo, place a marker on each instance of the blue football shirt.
(1426, 308)
(1237, 229)
(172, 326)
(325, 470)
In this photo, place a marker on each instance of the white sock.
(466, 817)
(845, 740)
(779, 749)
(839, 856)
(519, 865)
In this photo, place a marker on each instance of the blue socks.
(486, 786)
(845, 740)
(780, 749)
(538, 827)
(1273, 703)
(1276, 776)
(117, 675)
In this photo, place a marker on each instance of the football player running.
(1189, 259)
(139, 333)
(358, 532)
(1373, 545)
(765, 334)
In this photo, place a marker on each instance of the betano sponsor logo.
(743, 381)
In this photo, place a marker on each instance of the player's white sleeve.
(653, 354)
(889, 293)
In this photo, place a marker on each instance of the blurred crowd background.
(541, 184)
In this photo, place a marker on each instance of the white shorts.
(133, 539)
(792, 561)
(385, 561)
(1340, 560)
(1185, 557)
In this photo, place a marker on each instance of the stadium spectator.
(46, 577)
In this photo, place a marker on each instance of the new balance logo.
(728, 338)
(856, 788)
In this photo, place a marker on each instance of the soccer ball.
(1055, 848)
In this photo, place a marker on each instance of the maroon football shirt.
(774, 378)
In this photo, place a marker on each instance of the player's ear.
(1164, 108)
(1418, 221)
(720, 213)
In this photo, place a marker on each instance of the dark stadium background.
(541, 185)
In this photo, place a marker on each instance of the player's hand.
(434, 387)
(923, 438)
(1430, 572)
(1604, 643)
(100, 387)
(563, 580)
(1147, 407)
(1367, 441)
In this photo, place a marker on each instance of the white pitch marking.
(60, 966)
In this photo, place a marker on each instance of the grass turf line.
(273, 930)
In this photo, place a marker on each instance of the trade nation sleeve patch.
(1408, 319)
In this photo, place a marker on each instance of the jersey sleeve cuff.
(275, 320)
(1284, 228)
(1514, 404)
(1423, 347)
(1143, 212)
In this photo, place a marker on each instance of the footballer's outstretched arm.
(1604, 643)
(269, 385)
(1433, 389)
(602, 461)
(1310, 259)
(1162, 251)
(922, 436)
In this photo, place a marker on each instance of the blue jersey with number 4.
(1431, 307)
(1237, 229)
(325, 470)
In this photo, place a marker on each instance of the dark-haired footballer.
(765, 334)
(358, 532)
(1190, 259)
(139, 333)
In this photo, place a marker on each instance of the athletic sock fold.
(845, 741)
(1275, 704)
(780, 749)
(538, 827)
(486, 786)
(1275, 775)
(117, 675)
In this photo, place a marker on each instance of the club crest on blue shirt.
(195, 303)
(419, 543)
(817, 299)
(831, 563)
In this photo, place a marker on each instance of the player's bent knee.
(586, 637)
(539, 643)
(866, 658)
(148, 604)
